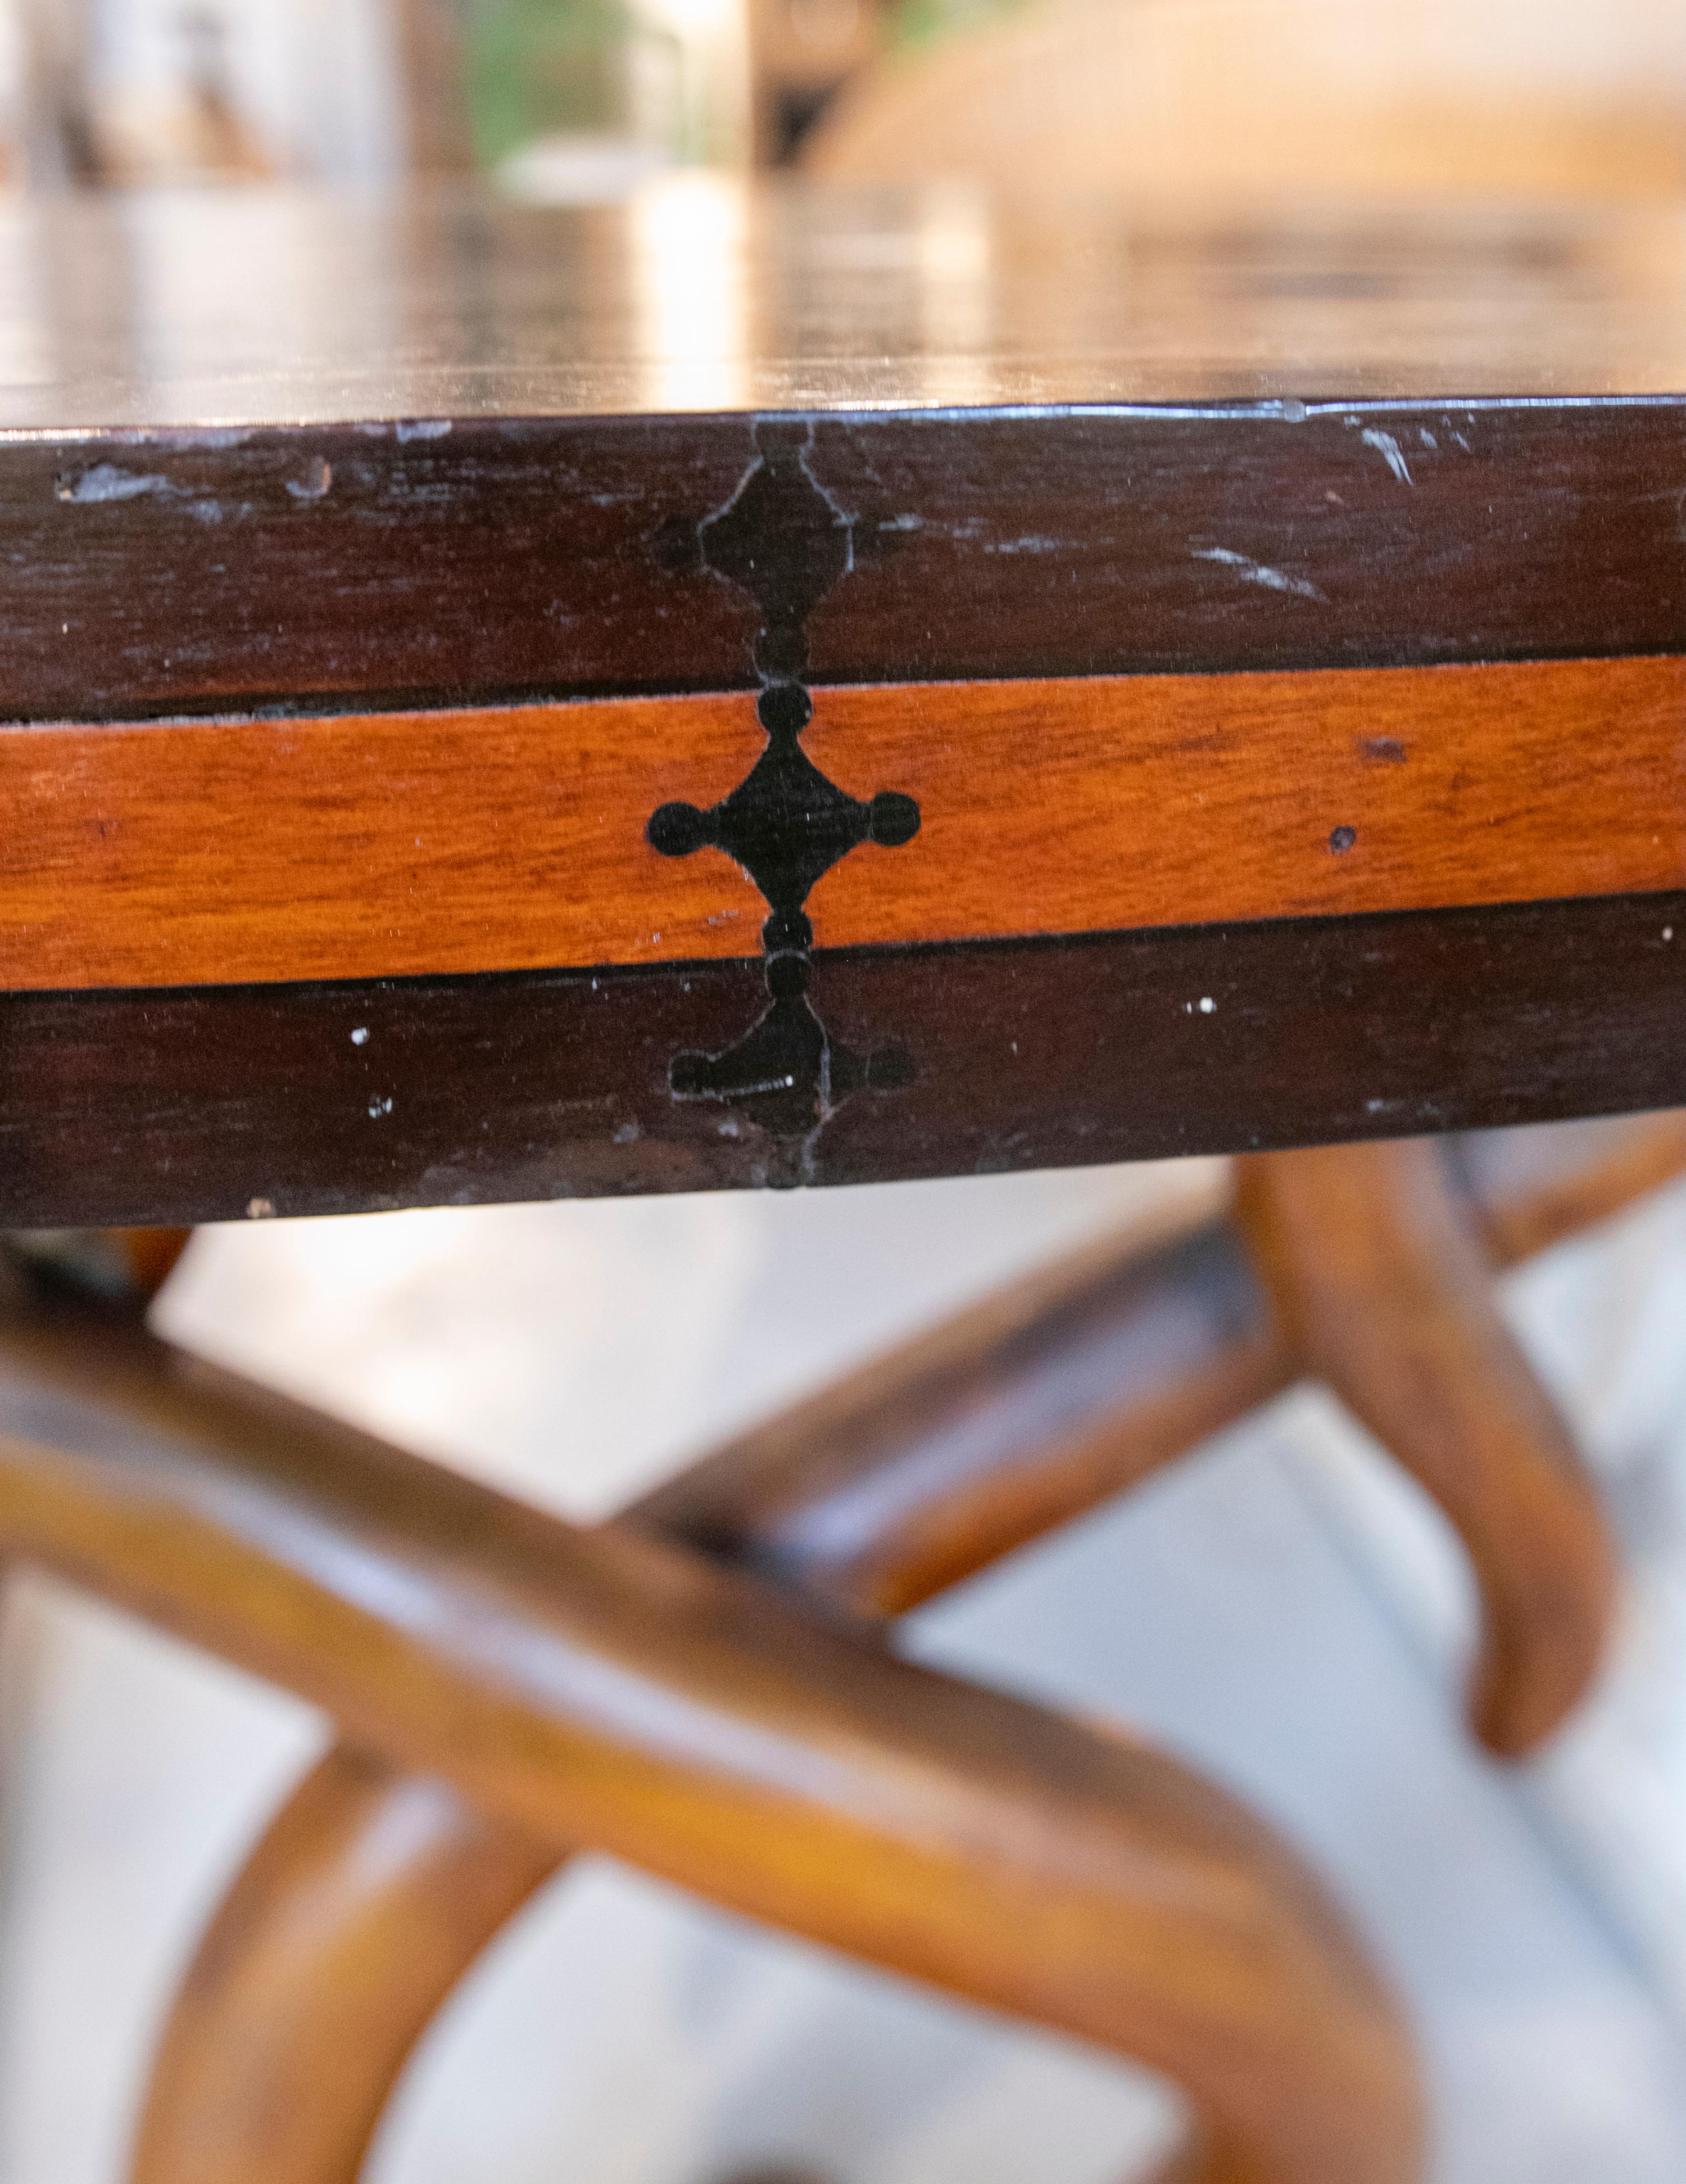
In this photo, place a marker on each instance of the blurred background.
(581, 98)
(1282, 1607)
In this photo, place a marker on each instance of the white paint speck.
(1668, 933)
(106, 482)
(1208, 1006)
(378, 1107)
(1391, 452)
(361, 1036)
(628, 1133)
(1256, 572)
(259, 1209)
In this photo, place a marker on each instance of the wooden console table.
(757, 688)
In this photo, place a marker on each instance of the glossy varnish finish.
(611, 1690)
(552, 557)
(916, 1470)
(392, 843)
(1214, 581)
(1066, 441)
(190, 1105)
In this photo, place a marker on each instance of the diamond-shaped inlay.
(784, 540)
(785, 824)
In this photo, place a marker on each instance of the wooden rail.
(608, 1690)
(375, 1888)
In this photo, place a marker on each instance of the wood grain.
(608, 1690)
(1149, 800)
(906, 1476)
(544, 558)
(390, 844)
(215, 1104)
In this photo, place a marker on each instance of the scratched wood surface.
(1065, 442)
(210, 1103)
(1274, 617)
(321, 567)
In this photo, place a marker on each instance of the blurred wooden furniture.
(553, 1689)
(1194, 97)
(759, 688)
(375, 1888)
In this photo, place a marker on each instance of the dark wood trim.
(150, 573)
(171, 1107)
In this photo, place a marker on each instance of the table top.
(762, 686)
(700, 293)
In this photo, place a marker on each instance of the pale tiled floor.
(1279, 1608)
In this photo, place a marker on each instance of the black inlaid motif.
(784, 541)
(785, 824)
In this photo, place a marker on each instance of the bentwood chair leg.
(610, 1689)
(371, 1896)
(368, 1898)
(1384, 1290)
(373, 1891)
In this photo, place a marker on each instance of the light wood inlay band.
(507, 838)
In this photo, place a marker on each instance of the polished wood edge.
(600, 833)
(1529, 529)
(229, 1103)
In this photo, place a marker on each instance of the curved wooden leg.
(1384, 1290)
(370, 1897)
(606, 1689)
(1524, 1190)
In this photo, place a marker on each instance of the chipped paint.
(1258, 573)
(105, 481)
(1390, 451)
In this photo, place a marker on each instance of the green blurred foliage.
(536, 66)
(914, 23)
